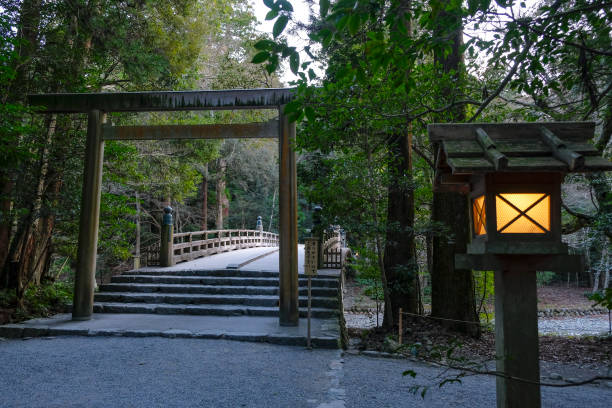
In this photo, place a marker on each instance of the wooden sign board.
(311, 256)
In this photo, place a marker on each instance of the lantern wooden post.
(516, 338)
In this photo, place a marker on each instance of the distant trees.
(391, 67)
(107, 45)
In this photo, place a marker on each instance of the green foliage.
(365, 264)
(39, 301)
(484, 292)
(116, 227)
(602, 298)
(252, 180)
(543, 278)
(47, 298)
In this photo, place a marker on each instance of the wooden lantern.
(516, 213)
(512, 175)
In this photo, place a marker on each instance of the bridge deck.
(251, 259)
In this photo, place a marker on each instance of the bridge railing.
(333, 249)
(187, 246)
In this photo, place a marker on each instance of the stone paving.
(243, 326)
(325, 332)
(161, 372)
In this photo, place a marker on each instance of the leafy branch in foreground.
(604, 299)
(443, 356)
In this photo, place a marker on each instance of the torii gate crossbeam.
(96, 105)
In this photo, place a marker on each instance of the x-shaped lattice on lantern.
(523, 213)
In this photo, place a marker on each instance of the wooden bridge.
(187, 246)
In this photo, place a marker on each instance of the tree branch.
(423, 155)
(529, 26)
(518, 379)
(503, 83)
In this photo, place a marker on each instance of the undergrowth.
(39, 301)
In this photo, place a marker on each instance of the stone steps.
(215, 310)
(227, 292)
(220, 281)
(197, 272)
(210, 289)
(199, 299)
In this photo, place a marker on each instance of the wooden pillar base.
(516, 339)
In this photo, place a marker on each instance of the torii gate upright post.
(85, 278)
(287, 203)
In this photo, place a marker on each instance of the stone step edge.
(236, 278)
(210, 295)
(17, 332)
(103, 287)
(205, 310)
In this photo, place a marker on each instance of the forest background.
(371, 76)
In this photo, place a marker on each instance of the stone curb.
(572, 312)
(14, 331)
(541, 313)
(378, 354)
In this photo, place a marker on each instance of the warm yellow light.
(525, 213)
(479, 216)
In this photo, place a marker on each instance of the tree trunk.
(598, 181)
(221, 197)
(30, 252)
(29, 19)
(204, 225)
(380, 256)
(6, 187)
(452, 291)
(272, 210)
(400, 264)
(138, 227)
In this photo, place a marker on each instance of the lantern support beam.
(499, 160)
(560, 150)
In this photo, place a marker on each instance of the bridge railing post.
(259, 229)
(166, 256)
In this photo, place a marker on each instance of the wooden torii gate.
(96, 105)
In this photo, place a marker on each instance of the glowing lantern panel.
(527, 213)
(479, 217)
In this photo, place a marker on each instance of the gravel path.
(159, 372)
(563, 326)
(574, 326)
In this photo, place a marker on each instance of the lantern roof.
(469, 148)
